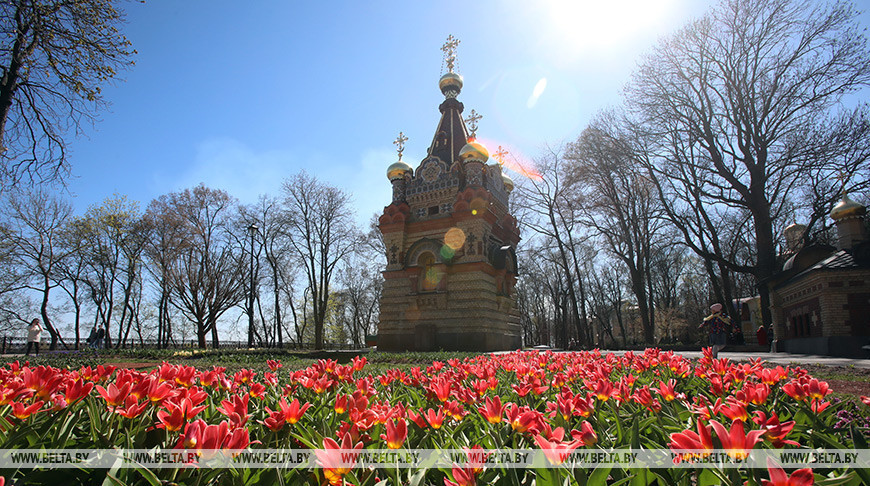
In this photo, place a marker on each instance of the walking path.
(778, 358)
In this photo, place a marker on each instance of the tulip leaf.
(417, 478)
(642, 477)
(846, 480)
(708, 478)
(599, 475)
(148, 475)
(635, 434)
(858, 437)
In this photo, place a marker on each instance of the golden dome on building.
(508, 183)
(450, 82)
(846, 208)
(474, 150)
(398, 170)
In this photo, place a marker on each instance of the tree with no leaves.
(744, 100)
(322, 233)
(205, 266)
(618, 201)
(54, 57)
(37, 222)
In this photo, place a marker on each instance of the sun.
(579, 27)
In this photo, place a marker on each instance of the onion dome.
(398, 170)
(508, 183)
(450, 82)
(474, 151)
(846, 208)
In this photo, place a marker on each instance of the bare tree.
(54, 57)
(618, 201)
(37, 221)
(360, 285)
(744, 98)
(207, 271)
(543, 205)
(322, 233)
(70, 274)
(165, 243)
(105, 230)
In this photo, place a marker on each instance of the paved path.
(780, 358)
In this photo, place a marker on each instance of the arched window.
(429, 276)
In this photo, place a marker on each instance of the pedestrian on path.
(719, 324)
(34, 333)
(761, 334)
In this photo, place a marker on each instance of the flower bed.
(555, 403)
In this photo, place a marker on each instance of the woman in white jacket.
(34, 332)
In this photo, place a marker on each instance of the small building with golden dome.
(820, 301)
(451, 245)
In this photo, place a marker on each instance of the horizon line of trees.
(186, 266)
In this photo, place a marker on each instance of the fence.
(17, 344)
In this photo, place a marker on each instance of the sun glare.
(581, 26)
(515, 161)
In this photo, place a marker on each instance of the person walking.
(761, 334)
(34, 333)
(98, 342)
(719, 324)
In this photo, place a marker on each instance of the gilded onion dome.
(398, 170)
(475, 151)
(450, 82)
(508, 183)
(846, 208)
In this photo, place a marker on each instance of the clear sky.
(241, 95)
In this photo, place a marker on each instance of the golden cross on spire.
(472, 120)
(449, 49)
(843, 176)
(399, 142)
(500, 154)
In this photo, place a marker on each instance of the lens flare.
(447, 253)
(454, 238)
(515, 160)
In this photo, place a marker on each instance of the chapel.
(820, 301)
(450, 241)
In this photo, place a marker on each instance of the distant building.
(451, 243)
(821, 299)
(747, 315)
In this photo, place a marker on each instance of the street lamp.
(253, 230)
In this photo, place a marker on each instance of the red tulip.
(292, 412)
(492, 409)
(236, 409)
(461, 477)
(778, 477)
(586, 435)
(113, 395)
(666, 390)
(737, 442)
(435, 419)
(76, 390)
(21, 412)
(689, 440)
(132, 407)
(334, 458)
(396, 434)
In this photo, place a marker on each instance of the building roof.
(839, 260)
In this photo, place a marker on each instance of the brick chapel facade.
(821, 299)
(451, 245)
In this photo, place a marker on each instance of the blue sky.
(241, 95)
